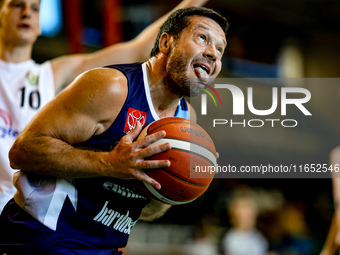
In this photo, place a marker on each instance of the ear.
(165, 43)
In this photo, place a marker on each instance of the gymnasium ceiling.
(276, 18)
(311, 15)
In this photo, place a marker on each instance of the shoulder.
(100, 93)
(102, 82)
(103, 74)
(46, 66)
(105, 86)
(45, 70)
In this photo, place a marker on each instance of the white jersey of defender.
(24, 89)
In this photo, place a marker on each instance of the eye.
(202, 37)
(219, 50)
(35, 8)
(16, 5)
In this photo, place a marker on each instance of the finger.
(142, 176)
(199, 3)
(153, 164)
(134, 132)
(149, 139)
(337, 237)
(187, 3)
(154, 149)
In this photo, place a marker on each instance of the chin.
(194, 91)
(23, 41)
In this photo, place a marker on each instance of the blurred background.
(267, 39)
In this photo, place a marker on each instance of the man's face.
(195, 58)
(19, 21)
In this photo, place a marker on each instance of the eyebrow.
(207, 28)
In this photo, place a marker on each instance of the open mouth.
(202, 72)
(24, 26)
(200, 68)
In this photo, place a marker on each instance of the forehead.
(2, 2)
(204, 23)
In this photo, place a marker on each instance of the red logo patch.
(132, 117)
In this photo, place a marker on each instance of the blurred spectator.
(294, 238)
(244, 238)
(203, 243)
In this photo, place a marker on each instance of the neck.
(164, 100)
(15, 54)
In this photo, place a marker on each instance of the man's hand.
(129, 158)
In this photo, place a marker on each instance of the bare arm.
(330, 247)
(335, 159)
(87, 107)
(153, 211)
(332, 242)
(66, 68)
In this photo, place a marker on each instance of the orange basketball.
(191, 149)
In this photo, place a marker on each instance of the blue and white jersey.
(87, 212)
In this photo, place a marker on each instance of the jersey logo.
(6, 125)
(6, 118)
(32, 78)
(123, 191)
(132, 117)
(118, 221)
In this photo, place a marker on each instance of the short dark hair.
(179, 20)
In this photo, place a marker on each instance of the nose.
(211, 52)
(25, 11)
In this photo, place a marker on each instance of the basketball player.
(25, 86)
(81, 168)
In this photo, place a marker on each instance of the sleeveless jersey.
(89, 212)
(24, 89)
